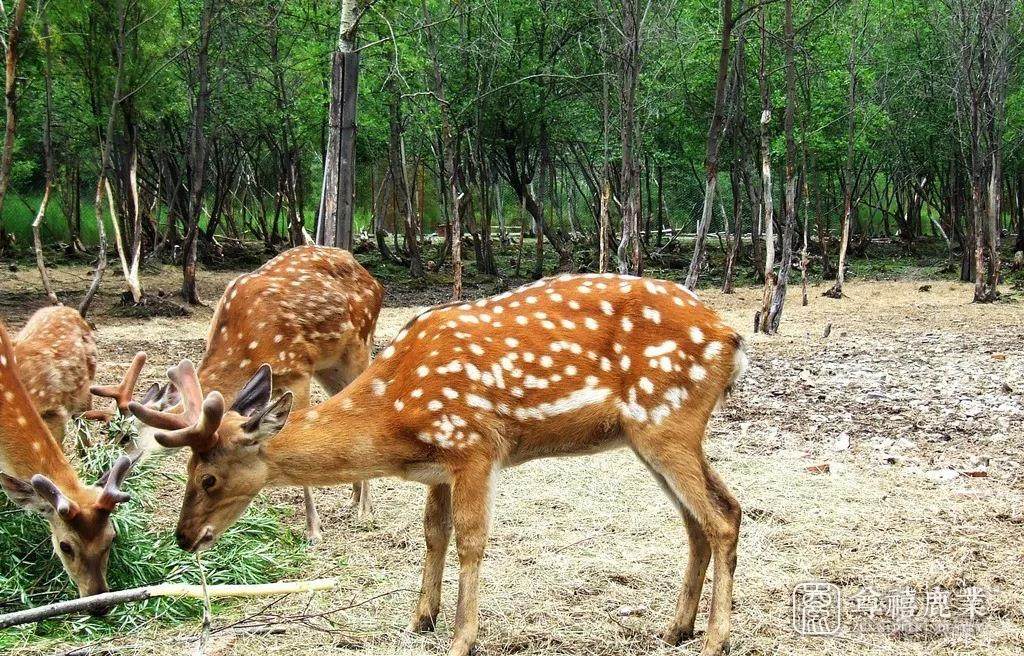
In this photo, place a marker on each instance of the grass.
(257, 550)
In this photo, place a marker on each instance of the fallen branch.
(107, 599)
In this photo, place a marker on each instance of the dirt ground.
(884, 460)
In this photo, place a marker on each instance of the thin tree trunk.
(197, 158)
(714, 139)
(10, 103)
(105, 148)
(450, 174)
(37, 241)
(768, 217)
(770, 322)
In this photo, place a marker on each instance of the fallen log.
(108, 599)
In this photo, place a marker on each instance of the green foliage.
(258, 549)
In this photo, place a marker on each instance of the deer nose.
(184, 542)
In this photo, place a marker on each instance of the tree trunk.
(197, 158)
(715, 132)
(337, 201)
(396, 154)
(770, 321)
(629, 244)
(10, 103)
(37, 241)
(449, 172)
(768, 216)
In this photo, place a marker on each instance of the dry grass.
(586, 554)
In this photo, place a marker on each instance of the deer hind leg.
(333, 381)
(681, 628)
(437, 529)
(471, 514)
(712, 517)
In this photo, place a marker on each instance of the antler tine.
(48, 490)
(184, 378)
(122, 393)
(202, 435)
(111, 482)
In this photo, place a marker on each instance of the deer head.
(157, 397)
(226, 469)
(79, 518)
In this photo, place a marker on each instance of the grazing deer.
(36, 475)
(566, 366)
(311, 313)
(56, 356)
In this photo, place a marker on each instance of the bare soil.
(886, 456)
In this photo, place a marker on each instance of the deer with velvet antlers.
(566, 366)
(56, 356)
(310, 313)
(35, 475)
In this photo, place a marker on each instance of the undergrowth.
(258, 549)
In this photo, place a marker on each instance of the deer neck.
(29, 449)
(344, 440)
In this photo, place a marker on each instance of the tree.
(337, 200)
(981, 48)
(10, 104)
(715, 133)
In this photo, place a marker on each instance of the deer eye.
(209, 481)
(66, 548)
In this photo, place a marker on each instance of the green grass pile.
(258, 549)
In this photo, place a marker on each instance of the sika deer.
(566, 366)
(310, 312)
(36, 475)
(56, 356)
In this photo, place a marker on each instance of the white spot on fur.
(661, 349)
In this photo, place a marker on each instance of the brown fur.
(57, 362)
(310, 313)
(566, 366)
(28, 449)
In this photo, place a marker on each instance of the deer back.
(56, 355)
(301, 311)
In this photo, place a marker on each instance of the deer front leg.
(312, 516)
(437, 529)
(361, 499)
(471, 509)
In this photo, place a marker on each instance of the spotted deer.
(36, 475)
(56, 356)
(310, 313)
(566, 366)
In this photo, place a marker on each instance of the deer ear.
(255, 394)
(152, 394)
(267, 422)
(22, 494)
(169, 397)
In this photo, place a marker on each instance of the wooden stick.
(109, 599)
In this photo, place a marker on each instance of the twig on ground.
(108, 599)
